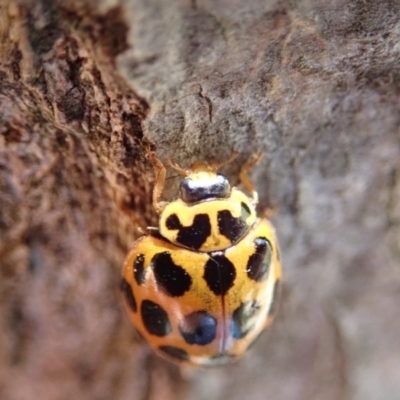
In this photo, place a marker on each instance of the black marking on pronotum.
(214, 187)
(172, 279)
(219, 273)
(138, 269)
(198, 328)
(259, 263)
(193, 236)
(243, 319)
(155, 318)
(129, 296)
(231, 227)
(172, 222)
(175, 352)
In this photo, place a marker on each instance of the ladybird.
(203, 285)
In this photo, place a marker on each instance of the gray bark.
(86, 87)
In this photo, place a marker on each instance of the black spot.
(125, 287)
(245, 211)
(199, 328)
(275, 297)
(231, 227)
(242, 323)
(171, 278)
(138, 269)
(219, 273)
(155, 319)
(195, 235)
(175, 352)
(259, 262)
(172, 222)
(220, 359)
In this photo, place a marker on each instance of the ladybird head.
(203, 185)
(202, 182)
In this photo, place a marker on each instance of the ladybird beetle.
(203, 285)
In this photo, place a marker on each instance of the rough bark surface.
(86, 86)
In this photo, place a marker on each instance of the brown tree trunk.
(86, 87)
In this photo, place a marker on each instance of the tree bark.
(87, 87)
